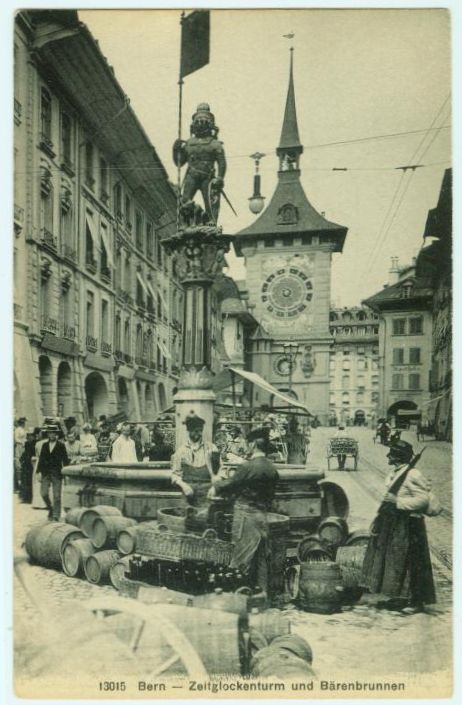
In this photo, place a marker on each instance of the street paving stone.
(360, 641)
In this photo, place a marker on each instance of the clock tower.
(288, 252)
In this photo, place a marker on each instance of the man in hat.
(195, 465)
(397, 567)
(253, 485)
(53, 457)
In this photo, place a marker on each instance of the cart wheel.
(182, 649)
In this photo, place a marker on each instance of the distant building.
(435, 263)
(354, 366)
(97, 306)
(405, 340)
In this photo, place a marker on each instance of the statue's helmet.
(203, 118)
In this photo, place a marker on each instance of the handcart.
(346, 447)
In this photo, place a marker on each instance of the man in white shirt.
(123, 448)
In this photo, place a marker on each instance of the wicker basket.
(172, 546)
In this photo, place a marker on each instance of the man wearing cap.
(53, 457)
(195, 464)
(253, 485)
(397, 564)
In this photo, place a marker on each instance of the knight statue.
(201, 152)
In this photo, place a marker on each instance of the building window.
(104, 320)
(127, 337)
(104, 180)
(346, 365)
(139, 294)
(416, 325)
(66, 139)
(89, 247)
(128, 212)
(117, 333)
(397, 381)
(374, 365)
(89, 175)
(90, 313)
(149, 240)
(414, 381)
(118, 201)
(127, 274)
(45, 115)
(414, 356)
(159, 307)
(118, 269)
(139, 230)
(67, 233)
(406, 290)
(399, 326)
(46, 211)
(139, 343)
(345, 382)
(398, 356)
(361, 364)
(159, 252)
(104, 260)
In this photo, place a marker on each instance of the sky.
(358, 74)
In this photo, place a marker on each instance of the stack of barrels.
(329, 570)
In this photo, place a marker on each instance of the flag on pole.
(195, 42)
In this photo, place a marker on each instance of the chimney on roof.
(393, 272)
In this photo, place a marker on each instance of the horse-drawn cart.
(341, 449)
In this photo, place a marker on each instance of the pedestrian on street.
(27, 465)
(53, 457)
(19, 443)
(88, 444)
(195, 465)
(72, 448)
(124, 449)
(341, 457)
(254, 485)
(397, 567)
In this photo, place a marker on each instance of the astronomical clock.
(286, 293)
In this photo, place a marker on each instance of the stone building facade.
(405, 344)
(97, 306)
(435, 263)
(354, 366)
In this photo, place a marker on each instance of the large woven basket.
(171, 546)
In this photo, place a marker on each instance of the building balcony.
(124, 295)
(92, 343)
(106, 348)
(69, 332)
(46, 145)
(91, 264)
(17, 112)
(104, 196)
(48, 239)
(119, 356)
(69, 253)
(49, 325)
(106, 275)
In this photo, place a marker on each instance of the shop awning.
(223, 380)
(92, 230)
(107, 246)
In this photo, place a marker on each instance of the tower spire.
(290, 148)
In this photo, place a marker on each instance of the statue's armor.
(202, 153)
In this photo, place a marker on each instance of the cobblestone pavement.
(358, 642)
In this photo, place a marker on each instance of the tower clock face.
(287, 292)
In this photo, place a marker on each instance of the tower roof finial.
(289, 142)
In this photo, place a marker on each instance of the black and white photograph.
(231, 410)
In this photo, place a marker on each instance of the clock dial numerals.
(286, 293)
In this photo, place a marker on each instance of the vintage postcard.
(232, 245)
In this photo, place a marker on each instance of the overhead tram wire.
(385, 227)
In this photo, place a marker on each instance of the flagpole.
(180, 115)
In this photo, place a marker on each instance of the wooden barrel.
(358, 538)
(314, 548)
(296, 644)
(74, 555)
(74, 515)
(98, 565)
(350, 560)
(333, 531)
(117, 572)
(45, 543)
(279, 663)
(301, 506)
(271, 623)
(319, 583)
(89, 516)
(126, 538)
(105, 529)
(278, 534)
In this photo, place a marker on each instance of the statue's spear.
(228, 202)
